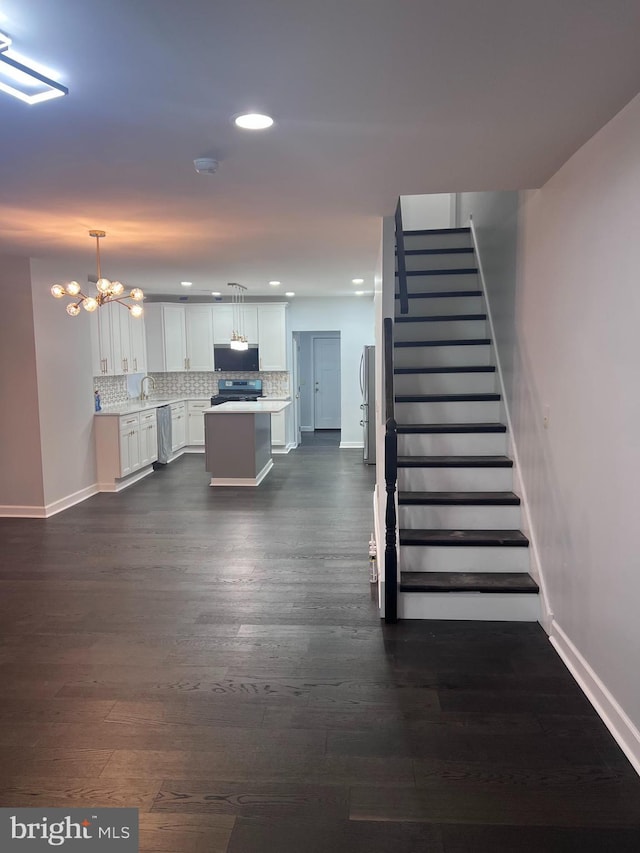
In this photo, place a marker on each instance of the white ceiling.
(372, 99)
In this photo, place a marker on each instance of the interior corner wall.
(574, 350)
(21, 484)
(432, 210)
(65, 383)
(353, 318)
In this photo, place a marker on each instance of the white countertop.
(133, 406)
(270, 407)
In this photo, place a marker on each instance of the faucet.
(144, 395)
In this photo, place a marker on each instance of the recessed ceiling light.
(275, 283)
(289, 293)
(253, 121)
(357, 281)
(216, 293)
(186, 283)
(359, 292)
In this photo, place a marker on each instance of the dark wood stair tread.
(460, 271)
(442, 294)
(429, 429)
(505, 582)
(470, 368)
(458, 499)
(416, 232)
(441, 318)
(462, 342)
(483, 538)
(447, 398)
(454, 462)
(463, 250)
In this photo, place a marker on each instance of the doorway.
(318, 368)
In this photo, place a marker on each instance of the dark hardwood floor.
(214, 657)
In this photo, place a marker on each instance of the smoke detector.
(205, 165)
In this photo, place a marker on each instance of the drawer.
(129, 421)
(198, 405)
(146, 417)
(177, 408)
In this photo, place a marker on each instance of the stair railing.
(390, 478)
(400, 258)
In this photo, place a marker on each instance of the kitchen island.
(237, 441)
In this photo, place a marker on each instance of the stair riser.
(455, 480)
(437, 330)
(436, 283)
(469, 558)
(437, 241)
(465, 260)
(445, 383)
(444, 305)
(452, 356)
(453, 444)
(448, 413)
(486, 606)
(459, 517)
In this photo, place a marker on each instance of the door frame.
(331, 337)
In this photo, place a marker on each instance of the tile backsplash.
(118, 389)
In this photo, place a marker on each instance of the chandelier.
(108, 291)
(238, 337)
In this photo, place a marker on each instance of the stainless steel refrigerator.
(368, 405)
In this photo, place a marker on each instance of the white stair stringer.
(480, 606)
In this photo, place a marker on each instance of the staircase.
(462, 554)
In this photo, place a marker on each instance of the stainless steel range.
(238, 390)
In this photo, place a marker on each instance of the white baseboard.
(279, 449)
(615, 719)
(22, 512)
(70, 500)
(243, 481)
(194, 448)
(119, 485)
(352, 445)
(306, 429)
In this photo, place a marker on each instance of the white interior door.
(295, 387)
(326, 383)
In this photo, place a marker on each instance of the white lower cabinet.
(195, 421)
(148, 437)
(278, 429)
(178, 426)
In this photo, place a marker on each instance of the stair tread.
(422, 231)
(519, 582)
(446, 271)
(469, 368)
(440, 318)
(447, 398)
(461, 250)
(488, 538)
(462, 342)
(412, 429)
(454, 462)
(442, 294)
(458, 499)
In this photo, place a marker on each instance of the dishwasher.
(163, 414)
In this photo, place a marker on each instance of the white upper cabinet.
(121, 337)
(138, 345)
(223, 325)
(272, 336)
(117, 342)
(166, 338)
(199, 332)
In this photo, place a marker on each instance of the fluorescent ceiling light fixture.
(357, 281)
(216, 293)
(275, 283)
(25, 79)
(289, 293)
(253, 121)
(186, 283)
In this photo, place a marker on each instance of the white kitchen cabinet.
(129, 444)
(121, 338)
(117, 342)
(148, 437)
(195, 421)
(178, 426)
(138, 345)
(166, 338)
(102, 342)
(223, 325)
(278, 429)
(272, 336)
(199, 337)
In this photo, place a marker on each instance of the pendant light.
(238, 337)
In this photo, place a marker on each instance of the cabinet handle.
(135, 365)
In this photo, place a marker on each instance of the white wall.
(65, 385)
(436, 210)
(21, 486)
(353, 318)
(576, 350)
